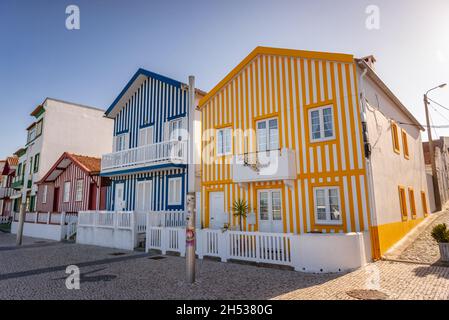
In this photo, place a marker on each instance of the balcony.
(6, 192)
(17, 182)
(167, 152)
(264, 166)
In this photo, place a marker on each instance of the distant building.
(58, 127)
(7, 193)
(441, 153)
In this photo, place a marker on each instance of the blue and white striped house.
(148, 168)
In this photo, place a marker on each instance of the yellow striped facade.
(286, 84)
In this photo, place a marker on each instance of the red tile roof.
(91, 164)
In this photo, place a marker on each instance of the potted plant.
(240, 209)
(440, 233)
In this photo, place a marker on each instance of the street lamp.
(436, 189)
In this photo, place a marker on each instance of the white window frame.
(179, 128)
(173, 201)
(79, 190)
(328, 220)
(44, 194)
(146, 132)
(66, 195)
(267, 134)
(321, 117)
(226, 145)
(123, 138)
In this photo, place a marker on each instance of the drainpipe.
(369, 174)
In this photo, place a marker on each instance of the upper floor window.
(327, 205)
(224, 141)
(411, 197)
(39, 128)
(405, 144)
(19, 169)
(267, 135)
(121, 142)
(321, 123)
(36, 162)
(395, 137)
(403, 203)
(31, 134)
(145, 136)
(175, 129)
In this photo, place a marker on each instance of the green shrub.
(440, 233)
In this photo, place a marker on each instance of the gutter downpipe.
(375, 254)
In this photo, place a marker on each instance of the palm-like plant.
(240, 209)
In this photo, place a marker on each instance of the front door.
(119, 200)
(270, 210)
(143, 199)
(92, 197)
(55, 200)
(216, 210)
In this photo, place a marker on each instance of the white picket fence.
(166, 239)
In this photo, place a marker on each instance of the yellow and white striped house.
(286, 131)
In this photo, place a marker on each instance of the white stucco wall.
(75, 129)
(390, 169)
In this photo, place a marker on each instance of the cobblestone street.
(424, 249)
(37, 271)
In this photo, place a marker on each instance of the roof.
(274, 51)
(13, 161)
(375, 77)
(135, 82)
(40, 107)
(89, 165)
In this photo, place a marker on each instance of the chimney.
(370, 60)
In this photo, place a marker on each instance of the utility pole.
(190, 225)
(436, 189)
(19, 237)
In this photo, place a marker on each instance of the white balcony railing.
(156, 153)
(6, 192)
(264, 166)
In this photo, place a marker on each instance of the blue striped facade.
(156, 101)
(159, 192)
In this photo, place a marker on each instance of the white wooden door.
(143, 198)
(216, 210)
(270, 210)
(119, 200)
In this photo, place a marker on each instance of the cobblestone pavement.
(37, 271)
(424, 249)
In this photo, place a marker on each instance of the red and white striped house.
(73, 184)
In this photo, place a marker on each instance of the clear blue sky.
(40, 58)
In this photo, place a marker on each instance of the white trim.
(66, 192)
(328, 221)
(79, 190)
(224, 146)
(44, 194)
(321, 119)
(267, 134)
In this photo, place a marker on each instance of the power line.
(438, 104)
(439, 113)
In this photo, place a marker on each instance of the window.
(424, 203)
(321, 124)
(44, 194)
(224, 141)
(31, 165)
(31, 134)
(403, 203)
(174, 130)
(405, 144)
(39, 128)
(66, 197)
(411, 197)
(327, 205)
(395, 137)
(19, 169)
(79, 190)
(267, 135)
(145, 136)
(174, 191)
(121, 142)
(36, 162)
(32, 203)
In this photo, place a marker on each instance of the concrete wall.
(37, 230)
(390, 169)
